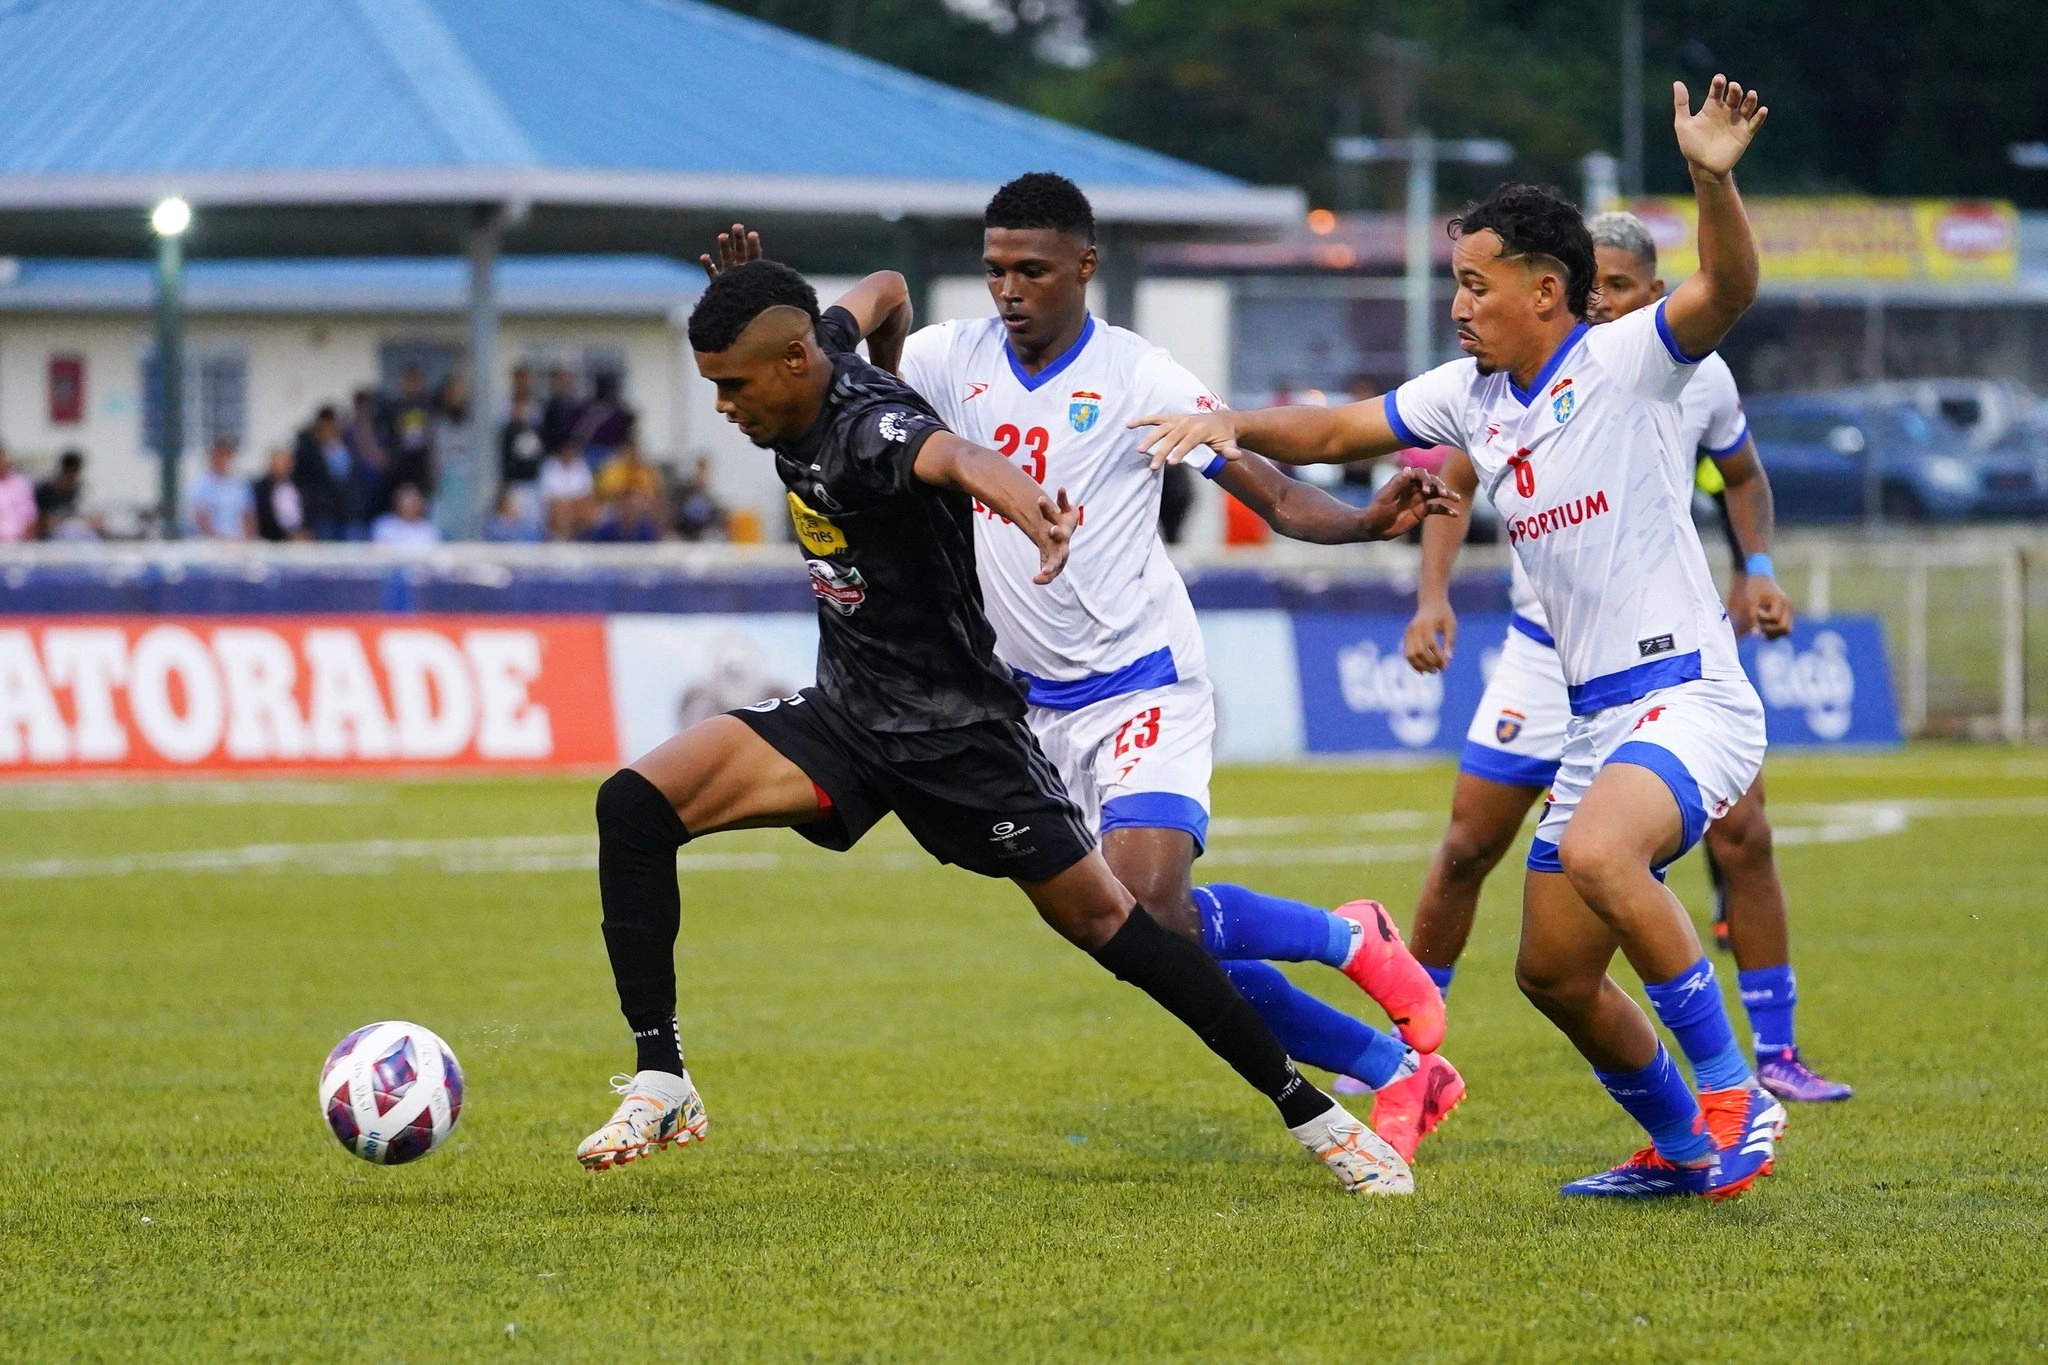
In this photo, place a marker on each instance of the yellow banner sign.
(1853, 239)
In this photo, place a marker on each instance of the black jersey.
(903, 644)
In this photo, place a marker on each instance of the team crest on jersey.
(1562, 398)
(814, 531)
(1084, 411)
(843, 590)
(1508, 726)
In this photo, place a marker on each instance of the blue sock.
(1239, 923)
(1657, 1098)
(1442, 977)
(1690, 1006)
(1769, 993)
(1316, 1033)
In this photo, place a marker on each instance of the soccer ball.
(391, 1092)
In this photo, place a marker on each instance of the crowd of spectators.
(569, 467)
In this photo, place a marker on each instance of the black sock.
(1188, 983)
(638, 833)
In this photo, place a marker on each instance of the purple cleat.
(1785, 1076)
(1346, 1085)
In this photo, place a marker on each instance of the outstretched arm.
(946, 461)
(1706, 305)
(1354, 431)
(1302, 511)
(1433, 632)
(880, 303)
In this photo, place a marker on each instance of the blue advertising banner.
(1359, 694)
(1826, 683)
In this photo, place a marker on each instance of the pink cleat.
(1381, 966)
(1406, 1112)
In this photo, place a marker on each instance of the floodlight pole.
(170, 363)
(1422, 152)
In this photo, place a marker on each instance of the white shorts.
(1705, 738)
(1141, 759)
(1517, 734)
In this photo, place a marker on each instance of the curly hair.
(740, 295)
(1041, 199)
(1534, 221)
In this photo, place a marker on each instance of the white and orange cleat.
(659, 1110)
(1360, 1159)
(1381, 966)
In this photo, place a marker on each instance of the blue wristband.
(1759, 566)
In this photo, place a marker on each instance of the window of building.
(216, 395)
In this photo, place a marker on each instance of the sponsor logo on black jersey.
(843, 590)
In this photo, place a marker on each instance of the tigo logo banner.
(272, 693)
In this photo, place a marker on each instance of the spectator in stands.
(219, 505)
(629, 497)
(566, 490)
(606, 424)
(406, 524)
(520, 446)
(699, 515)
(373, 459)
(563, 411)
(324, 472)
(280, 510)
(57, 502)
(515, 520)
(17, 502)
(405, 429)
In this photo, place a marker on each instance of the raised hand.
(736, 247)
(1715, 138)
(1403, 501)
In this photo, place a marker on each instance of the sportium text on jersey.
(1624, 584)
(1119, 605)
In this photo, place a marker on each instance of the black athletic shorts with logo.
(982, 795)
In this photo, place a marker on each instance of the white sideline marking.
(60, 796)
(1795, 824)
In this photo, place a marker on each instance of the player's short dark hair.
(740, 295)
(1532, 220)
(1041, 199)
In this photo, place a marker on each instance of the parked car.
(1838, 456)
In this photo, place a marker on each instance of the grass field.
(937, 1132)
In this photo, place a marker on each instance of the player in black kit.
(912, 712)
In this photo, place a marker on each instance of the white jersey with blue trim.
(1593, 480)
(1118, 618)
(1710, 421)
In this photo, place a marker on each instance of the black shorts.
(982, 795)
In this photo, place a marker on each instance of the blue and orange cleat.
(1381, 966)
(1789, 1078)
(1647, 1176)
(1745, 1125)
(1408, 1111)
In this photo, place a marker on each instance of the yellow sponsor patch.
(814, 532)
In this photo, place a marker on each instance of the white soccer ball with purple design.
(391, 1092)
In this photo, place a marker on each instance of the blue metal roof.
(128, 87)
(613, 285)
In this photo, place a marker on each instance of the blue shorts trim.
(1071, 694)
(1157, 810)
(1515, 770)
(1633, 684)
(1399, 427)
(1670, 339)
(1691, 810)
(1532, 630)
(1543, 856)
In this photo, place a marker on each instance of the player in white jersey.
(1573, 429)
(1516, 741)
(1110, 655)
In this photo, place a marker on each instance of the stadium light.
(171, 217)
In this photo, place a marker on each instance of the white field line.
(62, 796)
(1795, 823)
